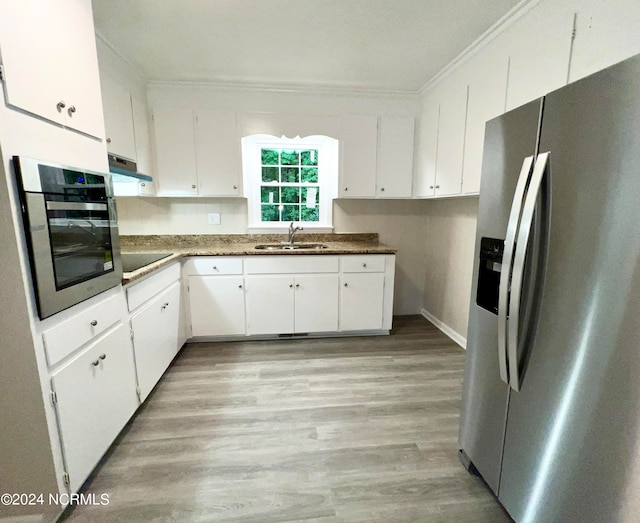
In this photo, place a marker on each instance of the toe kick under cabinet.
(289, 294)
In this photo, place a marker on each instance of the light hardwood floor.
(331, 430)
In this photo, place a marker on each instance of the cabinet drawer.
(211, 265)
(70, 335)
(96, 396)
(368, 263)
(291, 264)
(140, 292)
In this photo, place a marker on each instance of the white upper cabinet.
(539, 47)
(50, 64)
(487, 76)
(359, 156)
(606, 33)
(218, 153)
(118, 119)
(142, 136)
(395, 157)
(425, 178)
(175, 152)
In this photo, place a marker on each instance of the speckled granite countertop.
(242, 245)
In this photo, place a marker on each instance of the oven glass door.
(81, 243)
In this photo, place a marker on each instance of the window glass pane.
(290, 158)
(310, 174)
(310, 215)
(309, 157)
(269, 157)
(290, 175)
(310, 196)
(270, 213)
(269, 174)
(290, 213)
(269, 194)
(290, 194)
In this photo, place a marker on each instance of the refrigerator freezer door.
(572, 445)
(509, 140)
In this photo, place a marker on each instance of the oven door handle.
(75, 206)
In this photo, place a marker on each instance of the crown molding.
(290, 88)
(511, 17)
(130, 65)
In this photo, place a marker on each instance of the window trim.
(328, 162)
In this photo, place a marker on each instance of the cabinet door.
(395, 157)
(96, 396)
(218, 153)
(453, 111)
(217, 305)
(359, 156)
(50, 62)
(605, 34)
(487, 75)
(361, 301)
(175, 152)
(155, 337)
(316, 303)
(269, 304)
(142, 137)
(539, 47)
(427, 147)
(118, 119)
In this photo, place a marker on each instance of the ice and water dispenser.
(490, 265)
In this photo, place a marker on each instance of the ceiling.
(386, 45)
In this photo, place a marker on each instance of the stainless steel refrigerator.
(551, 403)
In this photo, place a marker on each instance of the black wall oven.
(72, 233)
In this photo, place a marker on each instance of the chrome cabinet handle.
(164, 306)
(346, 284)
(193, 186)
(94, 323)
(346, 188)
(215, 267)
(95, 363)
(364, 265)
(61, 105)
(382, 189)
(108, 140)
(235, 187)
(430, 186)
(103, 356)
(437, 187)
(240, 286)
(143, 184)
(291, 285)
(297, 285)
(71, 110)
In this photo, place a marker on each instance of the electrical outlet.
(214, 218)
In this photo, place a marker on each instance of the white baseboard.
(458, 338)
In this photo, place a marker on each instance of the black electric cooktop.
(134, 261)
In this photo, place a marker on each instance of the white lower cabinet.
(96, 396)
(217, 305)
(361, 301)
(155, 337)
(270, 306)
(316, 303)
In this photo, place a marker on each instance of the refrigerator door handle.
(507, 264)
(522, 241)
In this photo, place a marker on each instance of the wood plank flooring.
(327, 430)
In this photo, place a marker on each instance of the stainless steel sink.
(291, 247)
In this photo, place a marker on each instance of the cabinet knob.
(94, 323)
(61, 105)
(95, 363)
(291, 285)
(346, 284)
(215, 267)
(71, 110)
(143, 184)
(235, 187)
(240, 286)
(193, 186)
(108, 140)
(364, 265)
(437, 187)
(346, 188)
(103, 356)
(430, 186)
(382, 189)
(297, 285)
